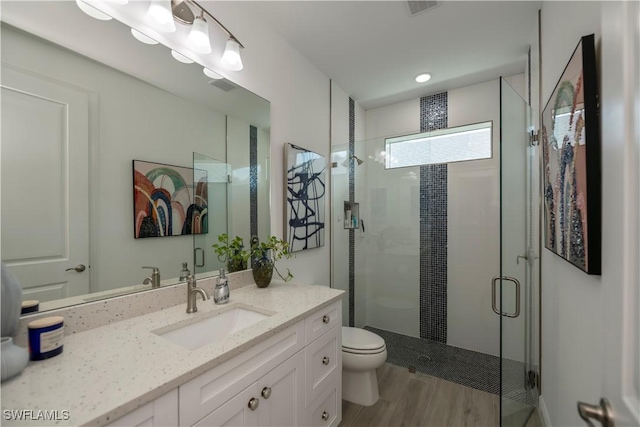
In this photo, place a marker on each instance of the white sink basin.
(193, 334)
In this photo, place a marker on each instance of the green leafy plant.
(232, 252)
(273, 249)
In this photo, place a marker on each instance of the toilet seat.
(360, 341)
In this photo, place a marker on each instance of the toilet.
(362, 353)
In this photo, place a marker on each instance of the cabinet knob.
(266, 392)
(253, 404)
(326, 319)
(325, 415)
(325, 360)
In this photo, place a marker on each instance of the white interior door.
(620, 102)
(45, 203)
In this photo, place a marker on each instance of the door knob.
(326, 319)
(325, 360)
(602, 413)
(78, 268)
(325, 415)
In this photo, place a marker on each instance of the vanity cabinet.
(161, 412)
(290, 379)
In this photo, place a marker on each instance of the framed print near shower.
(571, 163)
(304, 198)
(168, 200)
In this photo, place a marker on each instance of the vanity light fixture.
(199, 35)
(160, 16)
(423, 77)
(92, 11)
(231, 57)
(180, 57)
(212, 74)
(141, 37)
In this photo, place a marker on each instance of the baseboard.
(544, 414)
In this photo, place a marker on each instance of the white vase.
(13, 358)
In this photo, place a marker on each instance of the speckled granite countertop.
(107, 372)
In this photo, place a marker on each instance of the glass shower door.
(211, 195)
(514, 287)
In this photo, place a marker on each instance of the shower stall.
(440, 259)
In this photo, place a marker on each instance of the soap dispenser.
(221, 292)
(184, 273)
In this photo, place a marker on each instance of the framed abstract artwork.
(571, 163)
(168, 200)
(304, 198)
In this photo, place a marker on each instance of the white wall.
(572, 318)
(299, 96)
(130, 119)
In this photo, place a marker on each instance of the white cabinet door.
(237, 412)
(282, 394)
(161, 412)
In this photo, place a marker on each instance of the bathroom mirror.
(88, 99)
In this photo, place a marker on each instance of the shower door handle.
(197, 251)
(493, 296)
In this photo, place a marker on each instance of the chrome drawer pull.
(325, 415)
(253, 404)
(266, 392)
(325, 360)
(326, 319)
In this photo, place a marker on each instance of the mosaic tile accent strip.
(253, 180)
(352, 196)
(469, 368)
(433, 228)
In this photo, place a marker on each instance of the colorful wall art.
(571, 162)
(304, 198)
(166, 202)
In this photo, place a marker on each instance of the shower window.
(458, 144)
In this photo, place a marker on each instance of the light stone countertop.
(107, 372)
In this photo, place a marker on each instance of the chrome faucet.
(154, 279)
(192, 294)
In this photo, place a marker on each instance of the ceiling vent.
(417, 7)
(223, 84)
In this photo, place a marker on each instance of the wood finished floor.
(408, 399)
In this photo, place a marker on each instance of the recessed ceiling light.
(424, 77)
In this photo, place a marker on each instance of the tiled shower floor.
(469, 368)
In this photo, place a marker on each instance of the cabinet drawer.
(323, 357)
(322, 321)
(329, 411)
(204, 394)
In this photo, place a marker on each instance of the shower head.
(357, 160)
(346, 161)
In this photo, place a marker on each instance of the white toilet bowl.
(362, 353)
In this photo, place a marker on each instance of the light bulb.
(180, 57)
(141, 37)
(231, 58)
(199, 36)
(160, 16)
(424, 77)
(207, 72)
(92, 11)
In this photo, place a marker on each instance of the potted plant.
(232, 252)
(263, 260)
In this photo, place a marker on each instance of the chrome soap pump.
(221, 292)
